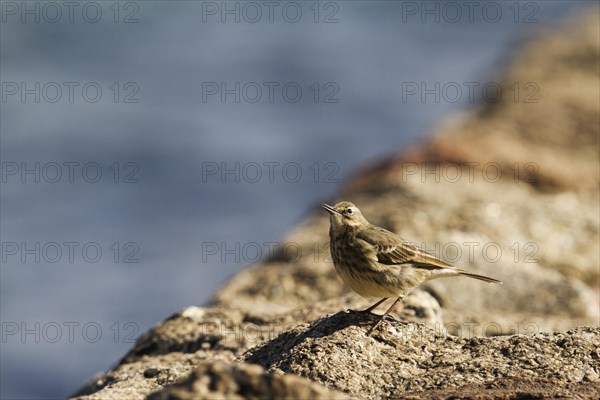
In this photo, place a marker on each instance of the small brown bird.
(375, 262)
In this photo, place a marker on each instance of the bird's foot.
(368, 310)
(365, 311)
(384, 315)
(375, 325)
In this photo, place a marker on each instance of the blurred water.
(63, 321)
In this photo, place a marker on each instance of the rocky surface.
(408, 357)
(243, 381)
(509, 190)
(195, 336)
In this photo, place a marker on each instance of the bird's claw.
(365, 311)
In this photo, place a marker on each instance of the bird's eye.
(349, 210)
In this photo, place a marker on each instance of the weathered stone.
(131, 380)
(220, 380)
(402, 358)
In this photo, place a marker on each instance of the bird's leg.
(385, 315)
(374, 306)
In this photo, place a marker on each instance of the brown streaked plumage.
(375, 262)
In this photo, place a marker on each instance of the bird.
(375, 262)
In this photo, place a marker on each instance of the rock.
(403, 358)
(193, 329)
(138, 378)
(169, 353)
(243, 381)
(514, 388)
(196, 336)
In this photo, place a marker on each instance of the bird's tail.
(480, 277)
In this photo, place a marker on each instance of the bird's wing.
(391, 250)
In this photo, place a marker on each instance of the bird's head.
(345, 215)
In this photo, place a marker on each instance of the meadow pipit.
(375, 262)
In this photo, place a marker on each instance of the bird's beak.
(329, 209)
